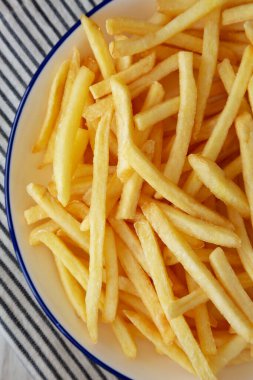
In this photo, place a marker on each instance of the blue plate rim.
(15, 123)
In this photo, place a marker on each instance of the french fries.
(207, 67)
(231, 283)
(148, 211)
(200, 229)
(138, 69)
(212, 176)
(216, 140)
(187, 109)
(244, 130)
(66, 133)
(111, 268)
(53, 107)
(180, 23)
(237, 14)
(197, 270)
(97, 223)
(99, 47)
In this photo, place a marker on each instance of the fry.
(34, 214)
(227, 353)
(165, 294)
(174, 8)
(248, 27)
(80, 145)
(207, 67)
(70, 122)
(124, 337)
(148, 329)
(227, 75)
(124, 118)
(157, 113)
(111, 268)
(186, 303)
(98, 46)
(213, 177)
(187, 109)
(231, 283)
(237, 14)
(180, 23)
(202, 322)
(97, 223)
(244, 130)
(227, 116)
(53, 107)
(132, 188)
(49, 226)
(198, 271)
(74, 291)
(250, 92)
(146, 291)
(73, 263)
(72, 73)
(123, 63)
(132, 73)
(97, 109)
(168, 189)
(130, 239)
(59, 215)
(245, 251)
(200, 229)
(134, 302)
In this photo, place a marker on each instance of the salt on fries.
(149, 209)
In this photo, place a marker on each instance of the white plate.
(37, 264)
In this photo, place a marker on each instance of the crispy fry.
(224, 272)
(146, 291)
(74, 291)
(148, 329)
(132, 73)
(244, 129)
(157, 113)
(34, 214)
(130, 239)
(124, 337)
(97, 223)
(248, 27)
(245, 251)
(111, 268)
(73, 263)
(180, 23)
(59, 215)
(199, 272)
(98, 46)
(69, 125)
(132, 188)
(168, 189)
(124, 118)
(200, 229)
(213, 177)
(207, 67)
(80, 145)
(72, 73)
(187, 109)
(165, 294)
(228, 352)
(227, 116)
(53, 107)
(237, 14)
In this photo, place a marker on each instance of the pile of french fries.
(149, 209)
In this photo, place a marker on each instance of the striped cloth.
(28, 31)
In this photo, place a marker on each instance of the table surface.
(11, 367)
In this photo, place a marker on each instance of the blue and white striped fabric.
(28, 31)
